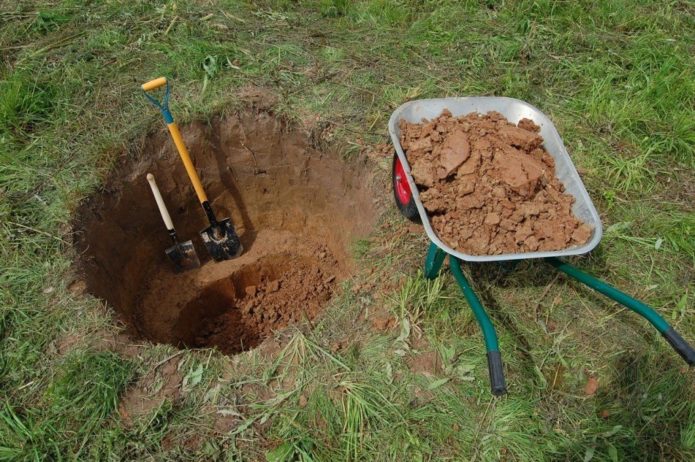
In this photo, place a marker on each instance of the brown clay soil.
(296, 209)
(489, 186)
(268, 295)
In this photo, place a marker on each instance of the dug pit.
(297, 211)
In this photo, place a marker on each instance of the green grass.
(618, 80)
(78, 401)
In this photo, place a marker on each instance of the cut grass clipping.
(394, 369)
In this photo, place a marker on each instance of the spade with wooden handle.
(182, 254)
(220, 238)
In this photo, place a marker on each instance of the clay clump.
(240, 319)
(489, 186)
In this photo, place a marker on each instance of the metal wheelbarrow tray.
(408, 200)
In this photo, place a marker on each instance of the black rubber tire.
(408, 209)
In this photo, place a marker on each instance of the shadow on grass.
(536, 273)
(647, 412)
(502, 318)
(533, 272)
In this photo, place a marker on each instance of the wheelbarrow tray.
(514, 110)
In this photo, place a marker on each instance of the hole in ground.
(296, 209)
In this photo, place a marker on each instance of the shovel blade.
(183, 256)
(222, 241)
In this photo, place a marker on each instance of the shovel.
(182, 254)
(219, 238)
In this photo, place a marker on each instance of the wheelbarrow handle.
(496, 370)
(674, 339)
(680, 345)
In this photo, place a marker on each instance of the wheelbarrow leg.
(494, 359)
(433, 261)
(672, 337)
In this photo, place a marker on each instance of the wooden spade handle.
(160, 202)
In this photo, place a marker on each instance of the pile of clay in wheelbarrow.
(489, 186)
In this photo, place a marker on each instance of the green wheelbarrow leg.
(494, 359)
(434, 261)
(672, 337)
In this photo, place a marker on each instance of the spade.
(182, 254)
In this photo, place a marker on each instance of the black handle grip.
(494, 365)
(680, 345)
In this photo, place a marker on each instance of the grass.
(618, 80)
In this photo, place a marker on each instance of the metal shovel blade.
(222, 241)
(183, 256)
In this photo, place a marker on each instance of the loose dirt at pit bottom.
(490, 186)
(245, 308)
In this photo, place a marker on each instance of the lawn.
(617, 79)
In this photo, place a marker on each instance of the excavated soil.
(297, 210)
(489, 186)
(245, 308)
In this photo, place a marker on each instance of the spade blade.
(183, 256)
(222, 241)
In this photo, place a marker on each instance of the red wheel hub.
(400, 184)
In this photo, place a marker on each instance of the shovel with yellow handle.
(220, 239)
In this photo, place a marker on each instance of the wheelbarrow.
(408, 201)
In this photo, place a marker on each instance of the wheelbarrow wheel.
(402, 193)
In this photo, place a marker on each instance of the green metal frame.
(433, 261)
(433, 265)
(489, 334)
(669, 333)
(612, 293)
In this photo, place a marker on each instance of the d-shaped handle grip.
(154, 84)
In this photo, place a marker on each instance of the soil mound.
(489, 186)
(237, 313)
(297, 210)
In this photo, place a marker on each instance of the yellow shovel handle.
(186, 158)
(175, 134)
